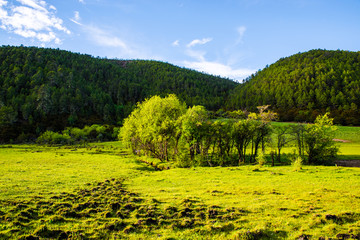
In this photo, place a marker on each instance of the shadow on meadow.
(108, 210)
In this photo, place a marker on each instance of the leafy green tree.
(298, 132)
(191, 128)
(7, 115)
(319, 144)
(282, 138)
(242, 133)
(153, 125)
(262, 129)
(222, 138)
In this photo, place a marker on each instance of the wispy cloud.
(201, 64)
(103, 38)
(34, 4)
(197, 54)
(219, 69)
(76, 15)
(82, 1)
(32, 19)
(198, 42)
(76, 19)
(241, 31)
(176, 43)
(113, 45)
(116, 46)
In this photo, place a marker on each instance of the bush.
(260, 159)
(50, 137)
(319, 142)
(88, 133)
(297, 164)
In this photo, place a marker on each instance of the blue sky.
(230, 38)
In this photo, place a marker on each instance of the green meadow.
(347, 137)
(101, 192)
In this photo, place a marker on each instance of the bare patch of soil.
(340, 140)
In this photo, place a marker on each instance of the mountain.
(304, 85)
(50, 89)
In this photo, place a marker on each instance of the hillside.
(301, 86)
(44, 89)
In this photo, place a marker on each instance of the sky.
(228, 38)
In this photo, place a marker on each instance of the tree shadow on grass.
(143, 167)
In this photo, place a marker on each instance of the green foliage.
(242, 133)
(193, 128)
(153, 126)
(70, 135)
(7, 115)
(50, 137)
(260, 159)
(304, 85)
(51, 89)
(283, 135)
(162, 128)
(319, 142)
(297, 164)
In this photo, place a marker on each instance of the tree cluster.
(165, 129)
(72, 135)
(50, 89)
(302, 86)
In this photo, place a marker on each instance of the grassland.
(101, 192)
(347, 137)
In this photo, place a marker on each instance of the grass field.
(101, 192)
(349, 141)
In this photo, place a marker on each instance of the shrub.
(297, 163)
(260, 159)
(50, 137)
(319, 142)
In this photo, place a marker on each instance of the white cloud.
(219, 69)
(109, 44)
(241, 31)
(77, 16)
(3, 2)
(176, 43)
(197, 54)
(82, 1)
(76, 19)
(104, 38)
(198, 42)
(38, 5)
(32, 19)
(213, 67)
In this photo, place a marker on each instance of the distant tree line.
(50, 89)
(305, 85)
(165, 129)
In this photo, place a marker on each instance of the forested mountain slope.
(301, 86)
(51, 89)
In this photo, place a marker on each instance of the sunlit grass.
(348, 141)
(31, 170)
(273, 201)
